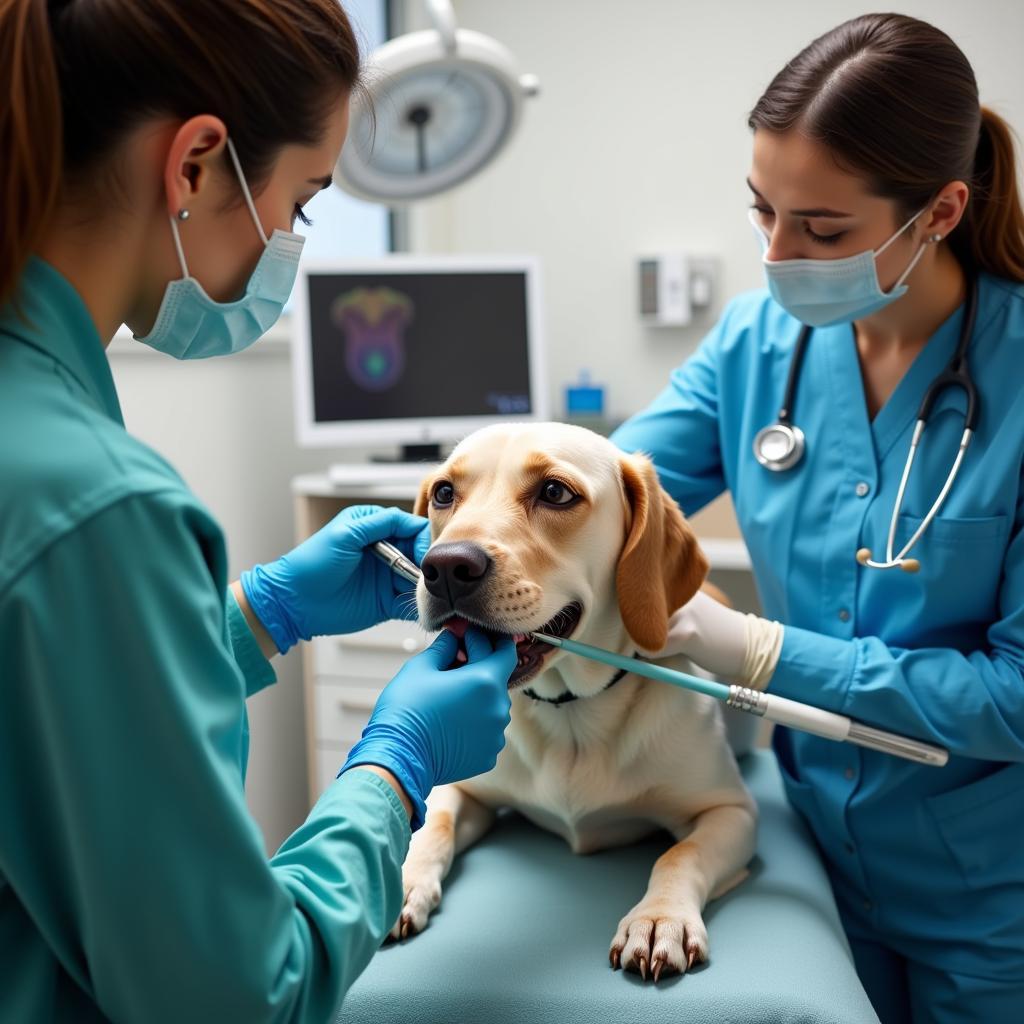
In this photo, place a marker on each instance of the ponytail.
(993, 232)
(30, 135)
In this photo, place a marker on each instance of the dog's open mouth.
(531, 653)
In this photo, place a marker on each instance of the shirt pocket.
(946, 532)
(982, 827)
(957, 586)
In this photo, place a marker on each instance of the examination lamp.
(440, 105)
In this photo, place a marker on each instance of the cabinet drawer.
(341, 710)
(376, 653)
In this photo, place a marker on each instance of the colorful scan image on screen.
(408, 345)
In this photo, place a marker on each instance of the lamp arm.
(443, 16)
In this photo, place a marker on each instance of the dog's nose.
(455, 570)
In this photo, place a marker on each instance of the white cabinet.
(344, 675)
(348, 674)
(369, 654)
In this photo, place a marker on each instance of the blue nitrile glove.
(435, 723)
(331, 583)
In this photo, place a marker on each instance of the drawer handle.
(357, 703)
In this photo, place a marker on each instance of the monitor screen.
(410, 349)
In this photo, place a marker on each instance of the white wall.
(639, 142)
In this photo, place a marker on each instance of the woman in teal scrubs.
(155, 156)
(874, 132)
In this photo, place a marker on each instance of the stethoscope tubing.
(955, 374)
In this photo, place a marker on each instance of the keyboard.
(379, 472)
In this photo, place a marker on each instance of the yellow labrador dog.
(550, 527)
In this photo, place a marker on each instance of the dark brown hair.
(895, 100)
(77, 75)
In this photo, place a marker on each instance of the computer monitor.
(415, 351)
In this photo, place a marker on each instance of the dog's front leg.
(454, 822)
(665, 931)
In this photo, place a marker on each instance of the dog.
(550, 527)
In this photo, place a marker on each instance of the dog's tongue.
(459, 625)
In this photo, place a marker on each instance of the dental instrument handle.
(832, 726)
(824, 723)
(790, 712)
(892, 743)
(392, 557)
(782, 710)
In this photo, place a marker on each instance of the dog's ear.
(661, 566)
(422, 503)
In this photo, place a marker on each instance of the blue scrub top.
(133, 881)
(931, 858)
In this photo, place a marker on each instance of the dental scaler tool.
(772, 708)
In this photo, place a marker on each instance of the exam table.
(523, 930)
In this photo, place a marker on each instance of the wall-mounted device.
(673, 285)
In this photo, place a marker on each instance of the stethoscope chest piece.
(779, 446)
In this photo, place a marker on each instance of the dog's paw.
(659, 939)
(422, 897)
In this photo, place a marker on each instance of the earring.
(935, 238)
(183, 214)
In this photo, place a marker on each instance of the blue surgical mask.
(823, 293)
(190, 325)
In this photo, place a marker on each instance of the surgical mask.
(191, 325)
(822, 293)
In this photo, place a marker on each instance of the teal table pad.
(523, 930)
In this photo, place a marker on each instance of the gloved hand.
(738, 646)
(435, 723)
(331, 583)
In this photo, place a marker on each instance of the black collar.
(564, 698)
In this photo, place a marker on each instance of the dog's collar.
(564, 698)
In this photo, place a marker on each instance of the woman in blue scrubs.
(872, 135)
(155, 155)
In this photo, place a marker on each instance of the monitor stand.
(413, 453)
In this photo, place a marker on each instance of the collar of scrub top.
(47, 313)
(781, 445)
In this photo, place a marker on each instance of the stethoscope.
(780, 446)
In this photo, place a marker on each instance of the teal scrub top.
(133, 881)
(927, 859)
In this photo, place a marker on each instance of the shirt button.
(862, 488)
(844, 614)
(849, 847)
(848, 773)
(868, 905)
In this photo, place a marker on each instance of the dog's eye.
(554, 492)
(444, 494)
